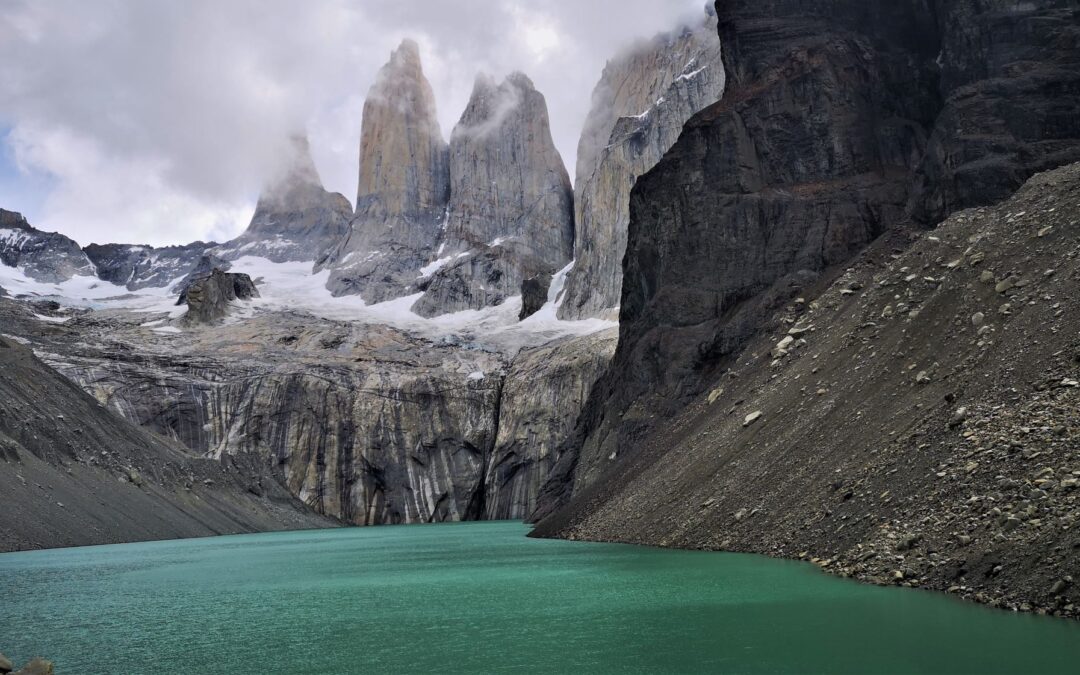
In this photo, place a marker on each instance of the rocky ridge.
(364, 422)
(44, 256)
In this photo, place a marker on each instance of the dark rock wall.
(842, 119)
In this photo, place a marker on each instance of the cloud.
(157, 121)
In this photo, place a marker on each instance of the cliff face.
(404, 186)
(917, 422)
(364, 423)
(543, 393)
(638, 110)
(842, 120)
(511, 203)
(295, 218)
(1010, 78)
(74, 473)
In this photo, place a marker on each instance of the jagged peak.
(407, 54)
(490, 104)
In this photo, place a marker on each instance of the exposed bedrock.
(834, 114)
(404, 186)
(543, 393)
(209, 297)
(644, 97)
(74, 473)
(365, 423)
(511, 203)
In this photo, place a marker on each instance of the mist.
(155, 121)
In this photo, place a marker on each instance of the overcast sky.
(156, 121)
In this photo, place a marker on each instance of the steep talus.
(510, 215)
(916, 423)
(638, 110)
(834, 116)
(404, 186)
(73, 473)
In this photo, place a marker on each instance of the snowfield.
(293, 286)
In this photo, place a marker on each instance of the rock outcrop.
(638, 110)
(511, 202)
(404, 186)
(61, 452)
(1010, 80)
(48, 257)
(208, 298)
(296, 219)
(534, 294)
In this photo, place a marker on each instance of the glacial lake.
(481, 598)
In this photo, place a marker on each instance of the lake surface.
(481, 597)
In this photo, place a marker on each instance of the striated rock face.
(362, 422)
(296, 219)
(208, 298)
(43, 256)
(834, 113)
(639, 107)
(544, 391)
(511, 203)
(74, 473)
(404, 186)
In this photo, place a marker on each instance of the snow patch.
(51, 319)
(689, 76)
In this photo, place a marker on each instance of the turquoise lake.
(481, 597)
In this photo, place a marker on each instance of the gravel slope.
(921, 426)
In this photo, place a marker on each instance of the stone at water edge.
(38, 666)
(5, 664)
